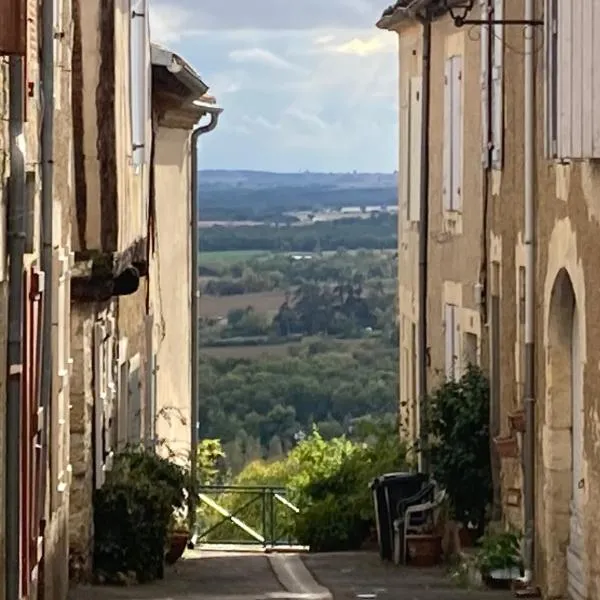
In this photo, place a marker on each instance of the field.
(219, 306)
(227, 257)
(269, 350)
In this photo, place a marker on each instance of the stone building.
(539, 70)
(454, 229)
(35, 211)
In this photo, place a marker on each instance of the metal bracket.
(460, 22)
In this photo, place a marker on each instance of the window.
(453, 134)
(139, 79)
(452, 341)
(414, 154)
(471, 353)
(58, 52)
(492, 85)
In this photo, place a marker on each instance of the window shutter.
(456, 341)
(135, 401)
(99, 402)
(405, 152)
(498, 88)
(123, 397)
(150, 378)
(138, 78)
(447, 159)
(414, 201)
(550, 79)
(485, 55)
(457, 133)
(449, 340)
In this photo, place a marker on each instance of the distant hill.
(249, 195)
(216, 179)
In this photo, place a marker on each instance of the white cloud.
(366, 47)
(262, 57)
(305, 117)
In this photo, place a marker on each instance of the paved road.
(255, 576)
(362, 576)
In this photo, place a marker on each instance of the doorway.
(564, 428)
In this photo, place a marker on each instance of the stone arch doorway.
(563, 444)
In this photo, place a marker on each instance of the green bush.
(132, 515)
(460, 453)
(328, 480)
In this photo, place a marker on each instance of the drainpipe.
(46, 234)
(214, 112)
(14, 367)
(423, 243)
(529, 183)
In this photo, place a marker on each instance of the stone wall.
(82, 453)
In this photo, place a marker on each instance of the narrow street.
(256, 576)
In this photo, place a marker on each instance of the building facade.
(454, 233)
(37, 78)
(539, 216)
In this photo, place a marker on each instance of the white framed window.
(414, 150)
(452, 341)
(139, 79)
(59, 34)
(135, 401)
(453, 134)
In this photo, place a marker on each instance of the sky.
(305, 84)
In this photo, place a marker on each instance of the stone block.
(556, 447)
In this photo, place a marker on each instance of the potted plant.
(517, 420)
(179, 536)
(507, 446)
(499, 559)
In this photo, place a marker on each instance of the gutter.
(46, 240)
(214, 111)
(14, 363)
(529, 239)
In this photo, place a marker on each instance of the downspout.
(424, 243)
(46, 235)
(529, 238)
(14, 367)
(194, 351)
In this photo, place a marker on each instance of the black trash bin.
(389, 490)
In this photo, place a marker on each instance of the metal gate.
(247, 515)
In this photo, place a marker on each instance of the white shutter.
(414, 200)
(135, 401)
(485, 133)
(405, 152)
(498, 87)
(150, 379)
(456, 343)
(449, 340)
(138, 78)
(99, 404)
(447, 159)
(550, 79)
(457, 133)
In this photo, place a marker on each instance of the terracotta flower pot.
(179, 540)
(465, 535)
(507, 447)
(517, 420)
(424, 550)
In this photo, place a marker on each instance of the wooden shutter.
(551, 78)
(485, 87)
(138, 78)
(405, 151)
(447, 151)
(13, 27)
(135, 401)
(99, 403)
(31, 431)
(414, 200)
(457, 133)
(498, 88)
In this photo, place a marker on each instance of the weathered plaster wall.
(567, 232)
(455, 239)
(170, 284)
